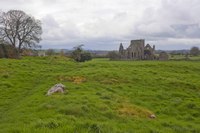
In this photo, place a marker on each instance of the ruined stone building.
(137, 51)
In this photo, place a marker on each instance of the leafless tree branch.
(20, 29)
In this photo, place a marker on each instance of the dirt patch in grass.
(74, 79)
(130, 110)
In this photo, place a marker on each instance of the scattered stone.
(56, 88)
(152, 116)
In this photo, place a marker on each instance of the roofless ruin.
(137, 50)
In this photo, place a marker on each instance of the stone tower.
(136, 49)
(121, 48)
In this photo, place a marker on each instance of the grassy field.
(104, 96)
(183, 57)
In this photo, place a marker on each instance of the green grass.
(104, 96)
(183, 57)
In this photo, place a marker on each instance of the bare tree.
(20, 29)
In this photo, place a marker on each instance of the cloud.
(173, 24)
(187, 30)
(56, 31)
(103, 24)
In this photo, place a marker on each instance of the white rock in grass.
(152, 116)
(56, 88)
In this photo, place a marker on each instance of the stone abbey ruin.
(139, 51)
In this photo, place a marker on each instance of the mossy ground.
(104, 96)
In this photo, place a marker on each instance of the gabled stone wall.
(137, 51)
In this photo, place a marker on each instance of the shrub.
(194, 51)
(80, 55)
(113, 55)
(50, 52)
(8, 51)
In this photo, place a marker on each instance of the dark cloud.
(186, 30)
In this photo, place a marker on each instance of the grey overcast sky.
(103, 24)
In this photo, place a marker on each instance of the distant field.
(182, 57)
(104, 96)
